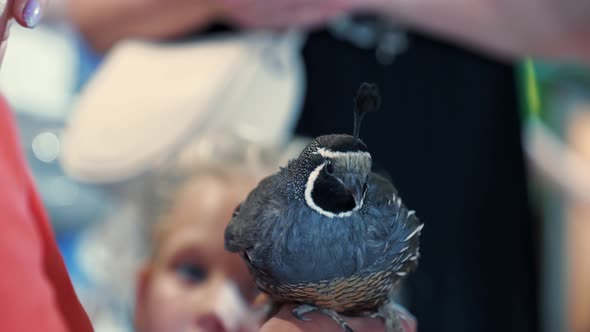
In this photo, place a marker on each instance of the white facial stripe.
(309, 188)
(336, 154)
(309, 200)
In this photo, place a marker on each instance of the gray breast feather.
(254, 217)
(393, 230)
(314, 247)
(293, 243)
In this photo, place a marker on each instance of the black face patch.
(331, 196)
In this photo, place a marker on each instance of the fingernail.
(32, 13)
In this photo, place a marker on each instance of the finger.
(285, 321)
(312, 16)
(408, 320)
(254, 13)
(28, 13)
(298, 14)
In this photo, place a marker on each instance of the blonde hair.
(234, 179)
(117, 246)
(224, 156)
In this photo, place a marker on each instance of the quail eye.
(330, 168)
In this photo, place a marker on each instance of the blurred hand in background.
(554, 28)
(505, 28)
(285, 13)
(508, 28)
(103, 23)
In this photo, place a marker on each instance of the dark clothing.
(449, 136)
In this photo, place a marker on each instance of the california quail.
(326, 232)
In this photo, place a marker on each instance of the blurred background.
(93, 219)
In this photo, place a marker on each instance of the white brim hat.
(148, 100)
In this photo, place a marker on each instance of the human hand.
(27, 13)
(284, 321)
(103, 23)
(285, 13)
(508, 29)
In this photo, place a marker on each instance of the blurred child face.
(192, 283)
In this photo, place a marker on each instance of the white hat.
(147, 100)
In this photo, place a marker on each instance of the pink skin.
(284, 321)
(106, 22)
(505, 28)
(286, 13)
(191, 284)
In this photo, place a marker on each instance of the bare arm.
(105, 22)
(508, 28)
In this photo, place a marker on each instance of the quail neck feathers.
(327, 233)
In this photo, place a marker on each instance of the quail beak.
(356, 188)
